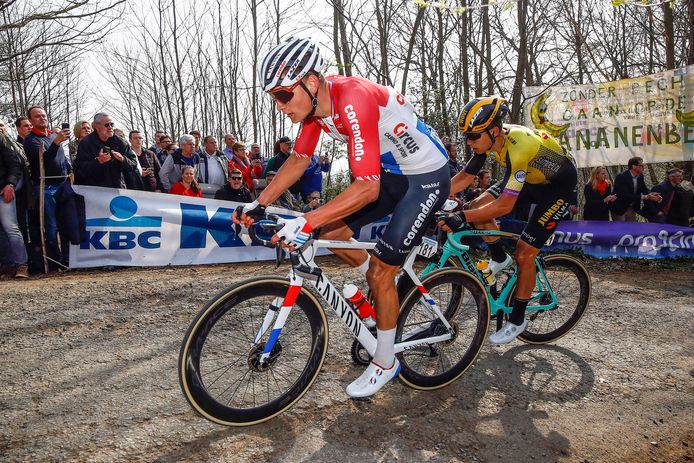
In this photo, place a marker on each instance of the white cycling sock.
(385, 348)
(364, 266)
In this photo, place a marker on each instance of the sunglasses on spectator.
(284, 94)
(109, 124)
(473, 135)
(237, 178)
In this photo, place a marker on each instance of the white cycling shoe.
(372, 380)
(507, 333)
(496, 267)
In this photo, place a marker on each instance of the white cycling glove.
(296, 232)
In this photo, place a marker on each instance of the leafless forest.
(179, 64)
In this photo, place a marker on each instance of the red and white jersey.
(380, 128)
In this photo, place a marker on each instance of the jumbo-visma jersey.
(380, 128)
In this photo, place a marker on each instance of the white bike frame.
(333, 297)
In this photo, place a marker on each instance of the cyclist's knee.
(525, 254)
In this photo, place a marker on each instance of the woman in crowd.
(598, 196)
(80, 130)
(188, 186)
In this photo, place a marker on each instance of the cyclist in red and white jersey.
(398, 163)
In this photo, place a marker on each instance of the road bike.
(257, 346)
(558, 301)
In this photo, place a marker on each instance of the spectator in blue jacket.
(312, 180)
(56, 169)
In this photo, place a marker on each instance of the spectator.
(285, 200)
(234, 190)
(103, 158)
(11, 156)
(3, 128)
(255, 151)
(148, 162)
(283, 148)
(485, 179)
(187, 186)
(24, 191)
(676, 204)
(213, 167)
(312, 180)
(23, 126)
(171, 170)
(313, 202)
(56, 170)
(598, 196)
(196, 134)
(630, 188)
(168, 150)
(473, 191)
(249, 169)
(158, 146)
(452, 150)
(80, 130)
(229, 140)
(120, 134)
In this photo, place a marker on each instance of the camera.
(65, 125)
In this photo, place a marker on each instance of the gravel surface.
(90, 375)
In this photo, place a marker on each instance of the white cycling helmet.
(289, 62)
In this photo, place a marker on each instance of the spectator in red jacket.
(188, 186)
(249, 168)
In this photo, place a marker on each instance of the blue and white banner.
(138, 228)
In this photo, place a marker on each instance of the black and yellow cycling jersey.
(529, 156)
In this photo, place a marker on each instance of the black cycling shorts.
(412, 200)
(551, 202)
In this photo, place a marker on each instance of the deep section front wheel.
(463, 301)
(220, 368)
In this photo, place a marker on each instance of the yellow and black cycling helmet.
(479, 113)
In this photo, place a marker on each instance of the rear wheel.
(569, 280)
(463, 302)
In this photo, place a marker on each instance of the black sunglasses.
(237, 178)
(473, 135)
(109, 124)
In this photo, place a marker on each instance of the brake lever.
(279, 253)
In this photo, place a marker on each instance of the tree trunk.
(669, 34)
(410, 47)
(522, 8)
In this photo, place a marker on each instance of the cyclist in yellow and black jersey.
(538, 168)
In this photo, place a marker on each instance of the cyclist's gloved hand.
(295, 232)
(452, 221)
(251, 211)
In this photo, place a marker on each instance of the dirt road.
(90, 375)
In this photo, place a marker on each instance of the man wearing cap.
(283, 147)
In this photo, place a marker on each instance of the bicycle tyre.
(549, 325)
(220, 338)
(434, 366)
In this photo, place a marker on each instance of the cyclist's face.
(298, 107)
(481, 144)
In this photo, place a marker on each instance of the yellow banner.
(608, 123)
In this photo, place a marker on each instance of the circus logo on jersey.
(400, 99)
(400, 129)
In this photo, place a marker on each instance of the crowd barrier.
(136, 228)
